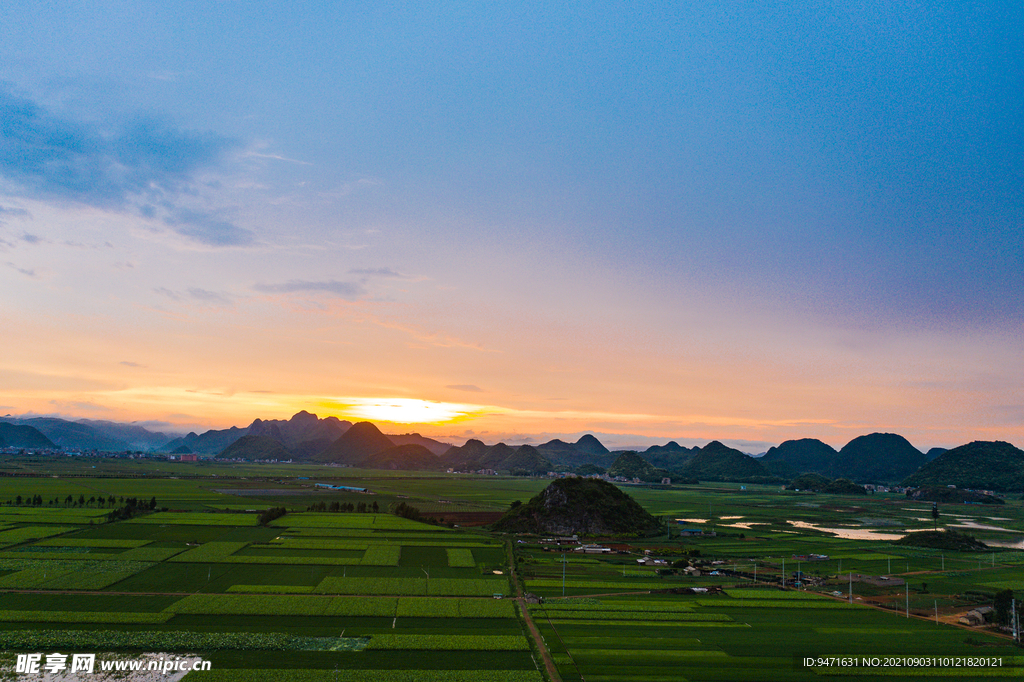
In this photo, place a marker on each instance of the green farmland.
(373, 596)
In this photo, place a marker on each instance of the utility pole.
(563, 575)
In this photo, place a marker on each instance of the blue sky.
(749, 221)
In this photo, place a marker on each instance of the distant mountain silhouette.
(301, 428)
(493, 457)
(410, 456)
(527, 460)
(587, 450)
(807, 455)
(211, 442)
(591, 445)
(878, 458)
(982, 465)
(631, 465)
(557, 445)
(718, 462)
(671, 455)
(436, 447)
(934, 452)
(475, 455)
(133, 436)
(355, 445)
(23, 436)
(67, 434)
(461, 457)
(255, 447)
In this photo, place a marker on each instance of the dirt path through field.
(549, 664)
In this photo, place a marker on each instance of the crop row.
(67, 575)
(315, 605)
(633, 624)
(651, 616)
(455, 587)
(753, 593)
(776, 603)
(365, 521)
(630, 606)
(319, 543)
(272, 589)
(197, 519)
(84, 640)
(459, 557)
(228, 675)
(210, 552)
(96, 542)
(433, 607)
(82, 617)
(624, 586)
(290, 560)
(149, 553)
(449, 642)
(16, 536)
(283, 605)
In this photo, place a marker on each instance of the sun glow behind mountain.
(402, 410)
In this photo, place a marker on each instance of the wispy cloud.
(8, 212)
(386, 273)
(146, 167)
(25, 271)
(196, 294)
(465, 387)
(126, 363)
(277, 157)
(347, 290)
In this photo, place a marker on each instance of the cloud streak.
(347, 290)
(145, 167)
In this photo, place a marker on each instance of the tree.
(1002, 602)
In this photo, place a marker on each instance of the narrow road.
(549, 664)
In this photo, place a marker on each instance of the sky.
(739, 221)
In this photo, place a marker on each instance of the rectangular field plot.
(98, 542)
(441, 587)
(808, 604)
(363, 521)
(66, 575)
(83, 617)
(459, 557)
(449, 642)
(754, 593)
(211, 551)
(16, 536)
(638, 606)
(272, 589)
(426, 607)
(382, 555)
(627, 616)
(284, 605)
(196, 519)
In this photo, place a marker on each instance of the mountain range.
(872, 458)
